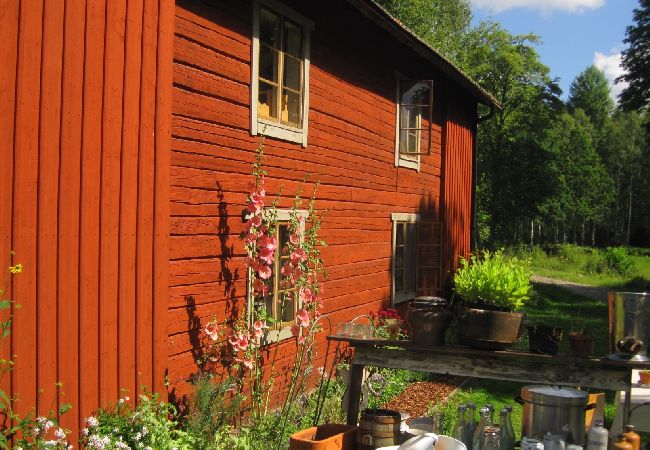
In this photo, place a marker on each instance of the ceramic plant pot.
(329, 436)
(581, 344)
(488, 330)
(644, 377)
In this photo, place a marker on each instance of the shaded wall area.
(84, 197)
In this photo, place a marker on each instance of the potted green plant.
(492, 287)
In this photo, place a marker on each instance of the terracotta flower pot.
(581, 344)
(644, 377)
(392, 327)
(330, 436)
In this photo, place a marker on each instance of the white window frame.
(404, 296)
(267, 127)
(409, 162)
(282, 215)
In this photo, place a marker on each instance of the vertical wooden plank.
(128, 201)
(69, 211)
(52, 50)
(144, 274)
(8, 54)
(110, 199)
(90, 207)
(162, 178)
(25, 201)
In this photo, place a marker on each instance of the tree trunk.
(532, 232)
(629, 214)
(593, 234)
(582, 231)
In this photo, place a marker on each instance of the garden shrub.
(618, 260)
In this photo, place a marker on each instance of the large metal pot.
(428, 318)
(554, 409)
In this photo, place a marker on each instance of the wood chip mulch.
(420, 396)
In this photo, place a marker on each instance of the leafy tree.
(441, 23)
(636, 61)
(590, 92)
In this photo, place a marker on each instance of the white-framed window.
(414, 106)
(280, 72)
(404, 256)
(282, 301)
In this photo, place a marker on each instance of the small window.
(280, 72)
(404, 256)
(281, 303)
(413, 126)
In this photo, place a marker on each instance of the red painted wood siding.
(350, 150)
(457, 188)
(84, 197)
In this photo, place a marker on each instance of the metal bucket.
(556, 410)
(629, 325)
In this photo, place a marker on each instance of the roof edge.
(380, 16)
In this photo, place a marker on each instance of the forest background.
(549, 171)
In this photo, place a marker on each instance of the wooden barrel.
(378, 428)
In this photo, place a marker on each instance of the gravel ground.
(418, 397)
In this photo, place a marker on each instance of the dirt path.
(586, 290)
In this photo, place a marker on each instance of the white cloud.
(611, 66)
(545, 6)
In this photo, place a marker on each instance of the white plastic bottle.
(598, 437)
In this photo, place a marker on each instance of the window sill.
(274, 336)
(283, 132)
(408, 163)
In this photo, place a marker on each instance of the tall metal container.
(556, 410)
(629, 325)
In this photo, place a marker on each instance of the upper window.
(413, 126)
(280, 72)
(404, 259)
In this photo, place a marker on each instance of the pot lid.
(429, 301)
(554, 395)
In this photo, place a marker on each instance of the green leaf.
(5, 304)
(65, 408)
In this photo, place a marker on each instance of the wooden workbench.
(562, 370)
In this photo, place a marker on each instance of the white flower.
(60, 433)
(85, 431)
(92, 421)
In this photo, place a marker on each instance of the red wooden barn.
(127, 136)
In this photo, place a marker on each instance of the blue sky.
(575, 33)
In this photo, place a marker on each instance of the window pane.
(292, 73)
(414, 93)
(287, 305)
(408, 140)
(292, 39)
(399, 258)
(269, 28)
(269, 63)
(410, 257)
(267, 101)
(399, 281)
(410, 116)
(291, 106)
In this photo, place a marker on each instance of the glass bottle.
(622, 444)
(505, 441)
(511, 429)
(436, 423)
(490, 406)
(632, 437)
(471, 419)
(598, 437)
(491, 438)
(484, 420)
(460, 426)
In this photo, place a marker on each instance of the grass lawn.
(585, 265)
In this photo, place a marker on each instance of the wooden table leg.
(356, 377)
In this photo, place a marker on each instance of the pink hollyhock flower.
(267, 255)
(258, 328)
(287, 270)
(248, 362)
(256, 221)
(251, 263)
(298, 255)
(250, 238)
(306, 295)
(212, 330)
(243, 341)
(264, 272)
(269, 242)
(259, 287)
(295, 330)
(302, 318)
(294, 238)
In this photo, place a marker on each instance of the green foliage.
(635, 61)
(492, 279)
(590, 92)
(152, 424)
(213, 407)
